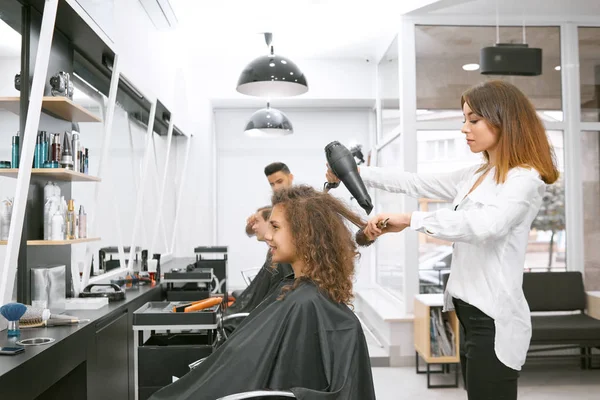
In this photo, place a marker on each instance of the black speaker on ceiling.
(510, 59)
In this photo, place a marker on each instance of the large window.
(447, 64)
(589, 72)
(447, 61)
(590, 163)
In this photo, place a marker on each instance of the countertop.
(60, 333)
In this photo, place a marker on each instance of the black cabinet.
(110, 372)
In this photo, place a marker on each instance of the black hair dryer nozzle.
(342, 164)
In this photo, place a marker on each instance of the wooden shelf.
(422, 329)
(60, 242)
(60, 107)
(54, 242)
(57, 174)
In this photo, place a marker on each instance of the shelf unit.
(57, 174)
(60, 107)
(54, 242)
(424, 303)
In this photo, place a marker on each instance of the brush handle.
(58, 322)
(55, 317)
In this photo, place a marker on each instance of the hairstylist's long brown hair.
(522, 140)
(322, 239)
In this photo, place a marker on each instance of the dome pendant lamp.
(272, 76)
(268, 122)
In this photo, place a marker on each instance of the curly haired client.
(304, 338)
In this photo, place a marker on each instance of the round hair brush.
(36, 318)
(13, 312)
(362, 239)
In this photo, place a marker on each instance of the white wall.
(195, 218)
(327, 79)
(204, 78)
(243, 187)
(122, 185)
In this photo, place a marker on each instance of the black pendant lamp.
(272, 76)
(268, 122)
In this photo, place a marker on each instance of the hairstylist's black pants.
(486, 377)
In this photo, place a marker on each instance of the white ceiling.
(558, 8)
(321, 29)
(10, 41)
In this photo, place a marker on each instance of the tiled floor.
(537, 382)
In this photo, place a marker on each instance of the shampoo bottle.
(15, 151)
(71, 220)
(82, 223)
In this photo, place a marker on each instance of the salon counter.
(92, 360)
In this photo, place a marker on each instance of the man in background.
(279, 176)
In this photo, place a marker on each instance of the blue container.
(51, 164)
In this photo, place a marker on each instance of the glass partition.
(447, 63)
(590, 164)
(589, 73)
(389, 90)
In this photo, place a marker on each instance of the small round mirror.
(35, 341)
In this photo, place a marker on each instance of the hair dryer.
(342, 164)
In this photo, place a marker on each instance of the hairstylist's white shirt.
(490, 229)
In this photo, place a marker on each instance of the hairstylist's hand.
(385, 223)
(249, 224)
(330, 176)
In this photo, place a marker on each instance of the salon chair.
(220, 331)
(248, 275)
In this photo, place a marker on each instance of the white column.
(571, 99)
(7, 279)
(408, 114)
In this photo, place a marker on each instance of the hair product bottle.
(71, 224)
(15, 151)
(82, 223)
(75, 147)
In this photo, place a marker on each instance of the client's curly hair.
(322, 239)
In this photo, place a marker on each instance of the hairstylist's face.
(279, 237)
(480, 136)
(280, 180)
(260, 227)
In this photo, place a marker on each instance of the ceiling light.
(470, 67)
(557, 68)
(268, 122)
(264, 76)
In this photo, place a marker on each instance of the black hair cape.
(304, 342)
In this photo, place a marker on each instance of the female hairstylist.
(493, 207)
